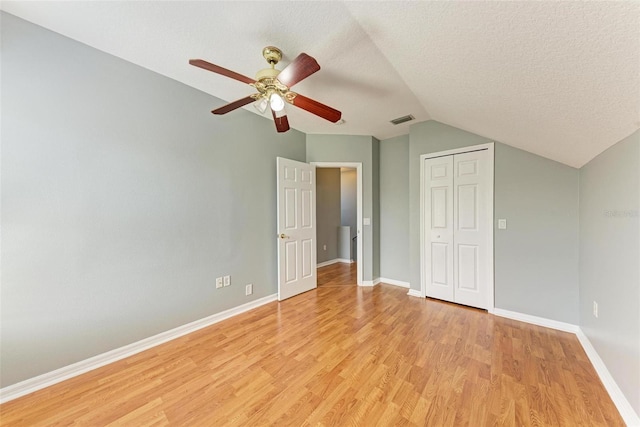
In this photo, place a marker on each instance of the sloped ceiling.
(559, 79)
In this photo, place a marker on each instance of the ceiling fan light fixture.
(276, 102)
(261, 105)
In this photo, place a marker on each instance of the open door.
(296, 228)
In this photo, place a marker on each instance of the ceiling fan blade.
(219, 70)
(301, 68)
(282, 123)
(317, 108)
(233, 105)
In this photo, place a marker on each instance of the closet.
(458, 227)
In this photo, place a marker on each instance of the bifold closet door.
(470, 225)
(438, 200)
(456, 228)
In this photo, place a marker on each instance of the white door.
(457, 226)
(438, 200)
(471, 226)
(296, 228)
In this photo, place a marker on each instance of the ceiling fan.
(274, 87)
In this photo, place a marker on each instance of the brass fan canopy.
(272, 54)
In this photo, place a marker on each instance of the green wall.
(609, 255)
(123, 198)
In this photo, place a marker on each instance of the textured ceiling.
(559, 79)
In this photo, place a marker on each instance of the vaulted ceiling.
(559, 79)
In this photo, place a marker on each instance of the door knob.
(283, 236)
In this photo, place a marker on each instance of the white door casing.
(296, 228)
(457, 226)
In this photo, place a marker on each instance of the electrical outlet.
(324, 247)
(502, 224)
(227, 280)
(595, 309)
(218, 282)
(248, 290)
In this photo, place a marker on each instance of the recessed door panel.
(290, 173)
(290, 208)
(468, 268)
(307, 208)
(306, 176)
(439, 207)
(439, 171)
(439, 264)
(291, 259)
(307, 258)
(467, 207)
(468, 167)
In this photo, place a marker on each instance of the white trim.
(334, 261)
(490, 194)
(624, 407)
(50, 378)
(395, 282)
(423, 271)
(359, 206)
(370, 282)
(414, 293)
(535, 320)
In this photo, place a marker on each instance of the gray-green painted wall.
(349, 148)
(327, 213)
(609, 255)
(536, 258)
(394, 208)
(123, 198)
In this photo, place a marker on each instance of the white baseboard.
(622, 404)
(50, 378)
(334, 261)
(624, 407)
(414, 293)
(535, 320)
(395, 282)
(370, 282)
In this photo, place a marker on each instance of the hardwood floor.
(339, 355)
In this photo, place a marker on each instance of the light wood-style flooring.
(339, 355)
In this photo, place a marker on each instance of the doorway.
(353, 240)
(456, 222)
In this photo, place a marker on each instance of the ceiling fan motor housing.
(267, 73)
